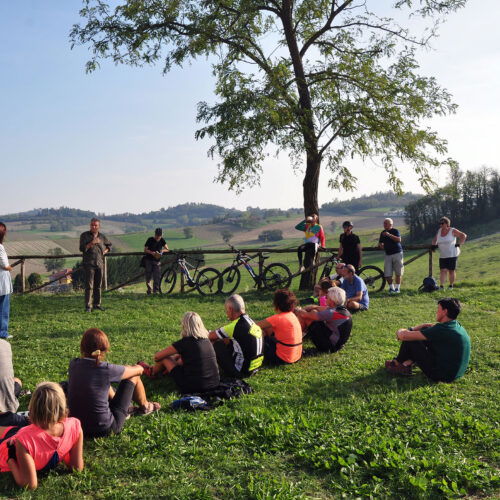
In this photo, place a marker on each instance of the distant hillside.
(384, 201)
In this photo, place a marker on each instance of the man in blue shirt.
(390, 242)
(355, 290)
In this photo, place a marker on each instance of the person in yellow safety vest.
(238, 345)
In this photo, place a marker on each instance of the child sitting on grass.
(101, 410)
(52, 437)
(191, 361)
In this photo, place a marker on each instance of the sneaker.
(399, 370)
(391, 290)
(99, 308)
(88, 309)
(441, 287)
(148, 370)
(450, 287)
(397, 290)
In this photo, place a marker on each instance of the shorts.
(449, 263)
(118, 406)
(393, 264)
(179, 375)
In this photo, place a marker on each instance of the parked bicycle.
(373, 276)
(205, 281)
(273, 276)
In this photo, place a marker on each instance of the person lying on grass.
(52, 437)
(238, 345)
(330, 326)
(283, 332)
(91, 398)
(191, 361)
(440, 350)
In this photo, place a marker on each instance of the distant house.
(62, 277)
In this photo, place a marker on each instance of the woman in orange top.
(283, 334)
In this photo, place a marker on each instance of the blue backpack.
(428, 285)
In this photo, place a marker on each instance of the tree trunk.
(310, 192)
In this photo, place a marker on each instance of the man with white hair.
(238, 345)
(331, 325)
(390, 242)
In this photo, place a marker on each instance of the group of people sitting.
(195, 362)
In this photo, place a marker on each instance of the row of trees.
(469, 199)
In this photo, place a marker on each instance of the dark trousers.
(225, 359)
(93, 283)
(310, 251)
(320, 334)
(418, 351)
(153, 270)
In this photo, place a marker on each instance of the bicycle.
(206, 281)
(373, 276)
(273, 276)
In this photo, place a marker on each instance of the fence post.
(430, 262)
(105, 273)
(261, 269)
(23, 276)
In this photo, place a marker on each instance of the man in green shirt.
(94, 246)
(238, 345)
(440, 350)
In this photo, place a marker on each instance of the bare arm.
(132, 371)
(267, 328)
(23, 468)
(409, 336)
(76, 455)
(169, 351)
(418, 328)
(312, 314)
(461, 236)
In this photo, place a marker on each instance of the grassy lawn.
(328, 427)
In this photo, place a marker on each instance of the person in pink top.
(283, 333)
(51, 438)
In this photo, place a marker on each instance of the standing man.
(390, 242)
(355, 290)
(153, 248)
(350, 250)
(94, 246)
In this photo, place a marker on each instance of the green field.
(328, 427)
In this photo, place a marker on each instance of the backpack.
(428, 285)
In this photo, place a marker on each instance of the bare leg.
(388, 279)
(442, 276)
(111, 393)
(352, 305)
(452, 275)
(139, 392)
(398, 279)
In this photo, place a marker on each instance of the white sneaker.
(397, 290)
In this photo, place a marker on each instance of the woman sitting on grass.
(52, 437)
(191, 361)
(330, 326)
(91, 398)
(283, 332)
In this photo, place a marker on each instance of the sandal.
(150, 407)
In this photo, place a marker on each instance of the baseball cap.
(347, 223)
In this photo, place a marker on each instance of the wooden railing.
(21, 260)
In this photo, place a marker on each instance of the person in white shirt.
(449, 250)
(5, 286)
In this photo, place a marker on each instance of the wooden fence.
(21, 260)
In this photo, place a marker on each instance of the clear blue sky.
(122, 139)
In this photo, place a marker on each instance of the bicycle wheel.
(208, 281)
(327, 270)
(229, 280)
(168, 280)
(276, 276)
(373, 277)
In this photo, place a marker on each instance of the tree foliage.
(470, 199)
(188, 232)
(55, 264)
(226, 235)
(271, 235)
(34, 280)
(328, 80)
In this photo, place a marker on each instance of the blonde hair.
(192, 326)
(47, 405)
(337, 295)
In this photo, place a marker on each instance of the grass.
(328, 427)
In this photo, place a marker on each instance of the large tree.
(323, 80)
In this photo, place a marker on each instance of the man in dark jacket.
(94, 246)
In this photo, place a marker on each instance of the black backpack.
(428, 285)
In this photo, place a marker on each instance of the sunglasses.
(442, 222)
